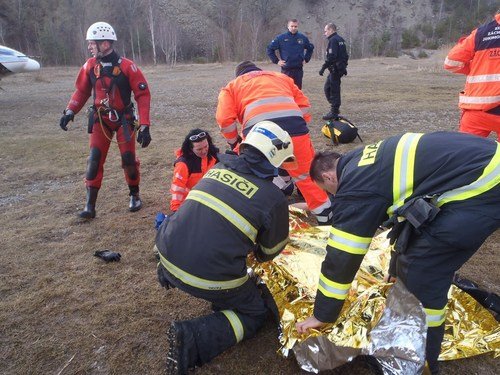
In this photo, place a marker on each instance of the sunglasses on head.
(198, 137)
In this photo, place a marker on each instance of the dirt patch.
(63, 308)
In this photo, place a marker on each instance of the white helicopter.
(12, 61)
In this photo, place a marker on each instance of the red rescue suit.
(478, 57)
(112, 80)
(188, 170)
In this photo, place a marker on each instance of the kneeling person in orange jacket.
(195, 157)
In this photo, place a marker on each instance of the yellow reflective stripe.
(235, 323)
(198, 282)
(488, 179)
(404, 170)
(434, 317)
(226, 211)
(348, 242)
(332, 289)
(274, 249)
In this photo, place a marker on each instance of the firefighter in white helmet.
(112, 79)
(234, 210)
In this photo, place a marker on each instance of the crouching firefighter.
(234, 210)
(112, 79)
(440, 192)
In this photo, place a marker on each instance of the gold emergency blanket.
(292, 279)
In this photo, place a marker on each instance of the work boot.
(331, 116)
(89, 210)
(182, 353)
(135, 203)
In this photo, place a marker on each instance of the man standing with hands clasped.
(291, 46)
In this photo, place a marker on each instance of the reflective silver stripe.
(272, 114)
(232, 140)
(305, 110)
(198, 282)
(332, 289)
(488, 179)
(236, 324)
(225, 211)
(404, 165)
(302, 177)
(273, 100)
(174, 187)
(483, 78)
(479, 99)
(324, 206)
(177, 196)
(348, 242)
(229, 128)
(178, 176)
(274, 249)
(455, 63)
(435, 318)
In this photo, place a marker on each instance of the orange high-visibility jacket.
(187, 172)
(261, 95)
(478, 56)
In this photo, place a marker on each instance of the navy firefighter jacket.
(461, 172)
(228, 214)
(291, 48)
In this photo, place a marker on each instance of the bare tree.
(152, 28)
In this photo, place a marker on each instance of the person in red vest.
(478, 57)
(195, 157)
(112, 79)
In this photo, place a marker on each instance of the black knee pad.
(129, 164)
(93, 163)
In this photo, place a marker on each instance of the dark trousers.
(332, 91)
(240, 312)
(296, 74)
(428, 264)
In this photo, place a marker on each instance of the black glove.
(233, 145)
(108, 255)
(322, 71)
(68, 116)
(143, 137)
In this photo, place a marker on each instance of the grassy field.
(64, 311)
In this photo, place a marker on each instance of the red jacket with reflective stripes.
(187, 172)
(478, 56)
(261, 95)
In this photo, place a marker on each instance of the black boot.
(182, 353)
(89, 210)
(332, 115)
(135, 201)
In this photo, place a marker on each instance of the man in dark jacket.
(294, 49)
(234, 210)
(336, 59)
(441, 193)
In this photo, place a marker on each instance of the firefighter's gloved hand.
(322, 71)
(163, 279)
(143, 137)
(67, 116)
(108, 255)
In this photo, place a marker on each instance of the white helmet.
(272, 141)
(101, 31)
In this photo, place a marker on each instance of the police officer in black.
(336, 62)
(234, 210)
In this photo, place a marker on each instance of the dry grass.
(65, 311)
